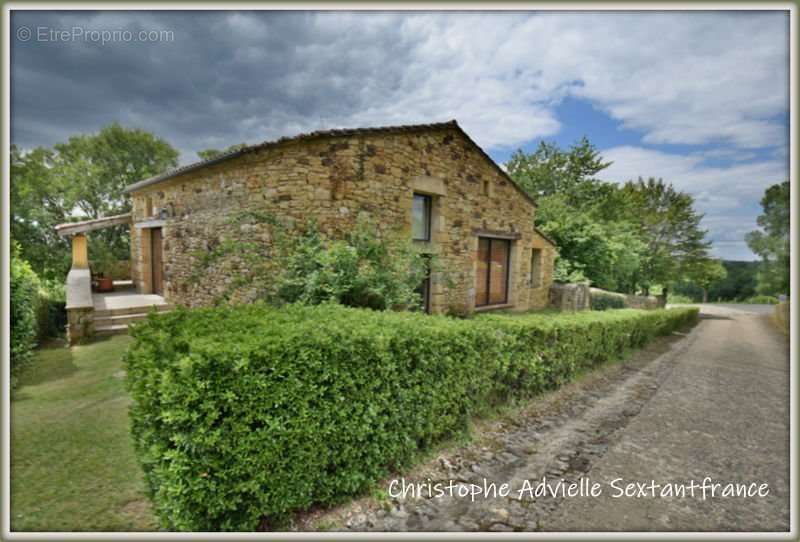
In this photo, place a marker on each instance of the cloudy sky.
(697, 98)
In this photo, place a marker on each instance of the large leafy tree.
(705, 272)
(550, 170)
(592, 246)
(39, 201)
(772, 241)
(80, 179)
(670, 228)
(625, 238)
(606, 253)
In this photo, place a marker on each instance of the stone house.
(432, 181)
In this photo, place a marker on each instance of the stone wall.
(631, 301)
(80, 324)
(570, 297)
(335, 180)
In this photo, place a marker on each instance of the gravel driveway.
(712, 405)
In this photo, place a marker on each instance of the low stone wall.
(80, 324)
(79, 306)
(570, 297)
(631, 301)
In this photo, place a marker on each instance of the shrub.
(361, 270)
(680, 299)
(24, 299)
(603, 301)
(252, 412)
(51, 313)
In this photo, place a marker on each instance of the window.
(491, 280)
(421, 218)
(148, 207)
(536, 268)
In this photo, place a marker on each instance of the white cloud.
(718, 78)
(686, 78)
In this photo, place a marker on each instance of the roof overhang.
(72, 228)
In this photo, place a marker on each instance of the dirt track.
(711, 404)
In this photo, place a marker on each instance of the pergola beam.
(72, 228)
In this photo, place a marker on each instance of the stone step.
(120, 329)
(105, 313)
(120, 319)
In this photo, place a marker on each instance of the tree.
(670, 228)
(619, 238)
(39, 201)
(77, 180)
(705, 272)
(593, 245)
(549, 170)
(772, 244)
(209, 154)
(607, 254)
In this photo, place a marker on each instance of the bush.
(24, 300)
(366, 267)
(762, 300)
(361, 270)
(604, 301)
(51, 313)
(251, 412)
(680, 299)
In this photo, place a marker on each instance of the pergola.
(78, 230)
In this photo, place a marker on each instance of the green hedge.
(250, 412)
(51, 312)
(24, 286)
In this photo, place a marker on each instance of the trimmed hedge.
(250, 412)
(24, 290)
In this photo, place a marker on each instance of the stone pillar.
(80, 251)
(80, 324)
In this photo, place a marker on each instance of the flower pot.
(105, 284)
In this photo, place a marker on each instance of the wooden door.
(157, 260)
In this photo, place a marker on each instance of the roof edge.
(310, 136)
(545, 236)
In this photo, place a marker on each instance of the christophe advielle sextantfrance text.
(617, 488)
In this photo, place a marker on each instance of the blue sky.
(699, 99)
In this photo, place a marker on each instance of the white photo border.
(5, 489)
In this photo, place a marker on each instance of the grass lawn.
(72, 461)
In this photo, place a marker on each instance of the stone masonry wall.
(334, 180)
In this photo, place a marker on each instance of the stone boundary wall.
(634, 301)
(570, 297)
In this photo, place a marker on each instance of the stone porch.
(91, 313)
(113, 311)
